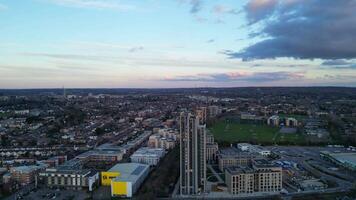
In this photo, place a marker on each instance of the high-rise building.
(192, 155)
(201, 113)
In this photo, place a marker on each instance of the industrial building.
(149, 156)
(125, 178)
(347, 160)
(253, 149)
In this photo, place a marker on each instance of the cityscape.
(177, 99)
(178, 143)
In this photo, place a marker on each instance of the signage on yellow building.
(107, 176)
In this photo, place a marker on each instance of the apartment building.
(258, 177)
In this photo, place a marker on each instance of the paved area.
(46, 193)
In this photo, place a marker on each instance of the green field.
(236, 132)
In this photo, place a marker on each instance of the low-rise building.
(125, 178)
(25, 175)
(253, 149)
(149, 156)
(273, 120)
(70, 179)
(101, 156)
(232, 157)
(211, 148)
(346, 160)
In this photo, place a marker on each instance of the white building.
(273, 120)
(149, 156)
(253, 149)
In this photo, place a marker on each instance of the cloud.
(136, 49)
(131, 60)
(301, 29)
(96, 4)
(256, 77)
(195, 5)
(339, 64)
(222, 9)
(257, 10)
(336, 62)
(210, 41)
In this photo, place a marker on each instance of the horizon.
(178, 88)
(156, 44)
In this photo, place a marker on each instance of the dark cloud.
(339, 64)
(135, 49)
(210, 41)
(302, 29)
(241, 77)
(196, 6)
(257, 10)
(336, 62)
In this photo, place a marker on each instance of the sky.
(176, 43)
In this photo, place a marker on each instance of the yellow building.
(107, 176)
(125, 178)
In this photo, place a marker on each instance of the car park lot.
(46, 193)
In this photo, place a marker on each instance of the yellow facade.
(119, 188)
(107, 176)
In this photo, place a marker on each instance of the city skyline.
(177, 43)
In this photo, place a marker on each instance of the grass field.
(235, 132)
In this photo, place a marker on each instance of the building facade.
(149, 156)
(192, 155)
(259, 177)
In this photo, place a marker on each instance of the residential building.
(192, 155)
(70, 178)
(232, 157)
(25, 174)
(149, 156)
(258, 177)
(273, 120)
(211, 148)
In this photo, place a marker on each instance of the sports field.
(236, 132)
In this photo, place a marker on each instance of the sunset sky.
(177, 43)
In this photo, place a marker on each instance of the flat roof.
(348, 158)
(240, 170)
(129, 172)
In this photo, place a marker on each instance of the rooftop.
(346, 158)
(129, 172)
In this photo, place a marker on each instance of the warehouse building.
(125, 178)
(347, 160)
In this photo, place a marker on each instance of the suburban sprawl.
(217, 143)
